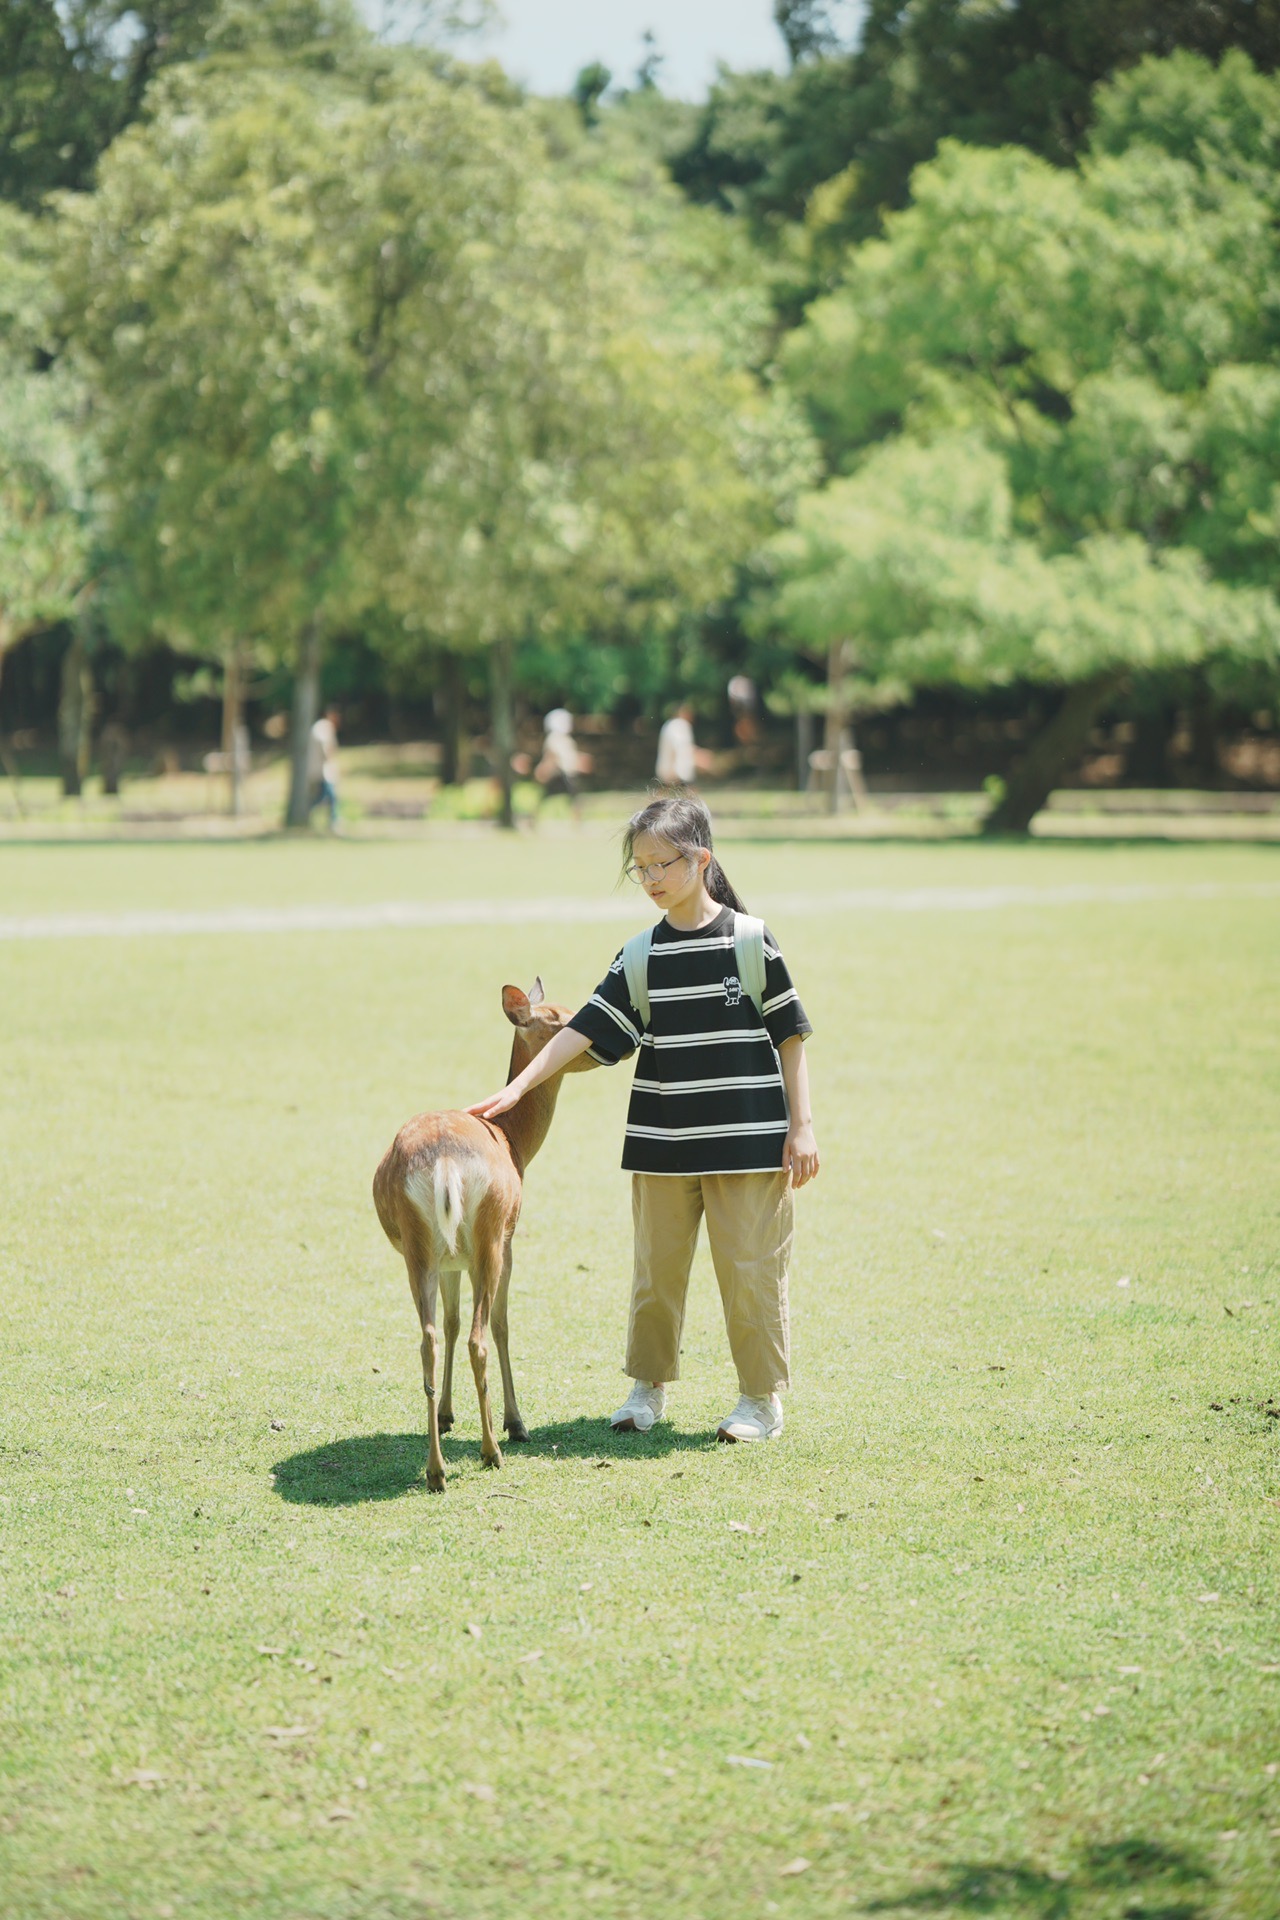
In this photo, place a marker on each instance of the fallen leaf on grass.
(473, 1630)
(286, 1733)
(793, 1867)
(277, 1426)
(144, 1778)
(745, 1760)
(336, 1814)
(478, 1790)
(1207, 1599)
(308, 1666)
(739, 1526)
(275, 1652)
(525, 1658)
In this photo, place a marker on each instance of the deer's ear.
(515, 1004)
(537, 993)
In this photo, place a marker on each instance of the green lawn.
(999, 1611)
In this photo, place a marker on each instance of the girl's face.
(673, 878)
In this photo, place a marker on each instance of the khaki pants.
(749, 1225)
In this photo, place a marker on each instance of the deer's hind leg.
(450, 1290)
(486, 1272)
(423, 1280)
(516, 1429)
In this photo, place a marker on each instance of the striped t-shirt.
(708, 1095)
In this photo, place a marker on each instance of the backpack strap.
(635, 966)
(748, 947)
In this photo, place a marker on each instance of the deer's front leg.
(485, 1274)
(516, 1429)
(450, 1289)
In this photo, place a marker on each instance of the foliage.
(43, 508)
(1102, 338)
(77, 72)
(924, 71)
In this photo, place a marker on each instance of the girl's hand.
(497, 1102)
(800, 1155)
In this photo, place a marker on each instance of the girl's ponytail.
(721, 887)
(683, 821)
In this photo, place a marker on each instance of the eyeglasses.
(655, 869)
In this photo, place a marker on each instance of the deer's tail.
(450, 1200)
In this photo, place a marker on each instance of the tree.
(1105, 332)
(914, 562)
(77, 72)
(928, 70)
(44, 539)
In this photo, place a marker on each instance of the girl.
(719, 1122)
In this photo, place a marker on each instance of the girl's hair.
(684, 822)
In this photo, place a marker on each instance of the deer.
(448, 1193)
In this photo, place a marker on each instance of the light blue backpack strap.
(635, 967)
(748, 947)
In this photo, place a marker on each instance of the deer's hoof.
(516, 1431)
(445, 1423)
(435, 1481)
(493, 1459)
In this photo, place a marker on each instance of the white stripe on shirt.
(780, 1000)
(708, 1133)
(751, 1036)
(597, 1001)
(708, 1086)
(713, 992)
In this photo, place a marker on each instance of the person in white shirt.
(562, 762)
(322, 764)
(679, 760)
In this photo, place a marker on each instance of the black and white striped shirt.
(708, 1095)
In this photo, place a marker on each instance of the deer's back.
(446, 1179)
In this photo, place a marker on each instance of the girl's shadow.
(383, 1466)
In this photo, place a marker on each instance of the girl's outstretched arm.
(557, 1054)
(800, 1151)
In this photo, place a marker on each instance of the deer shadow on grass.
(385, 1466)
(1155, 1882)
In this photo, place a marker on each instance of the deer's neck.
(527, 1123)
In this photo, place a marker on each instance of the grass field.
(995, 1625)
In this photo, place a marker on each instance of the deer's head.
(536, 1020)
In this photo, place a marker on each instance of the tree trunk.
(112, 745)
(233, 733)
(1203, 766)
(503, 727)
(75, 716)
(7, 760)
(306, 707)
(833, 740)
(453, 746)
(804, 746)
(1054, 750)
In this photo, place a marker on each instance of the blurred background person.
(322, 764)
(680, 759)
(563, 762)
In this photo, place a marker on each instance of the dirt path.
(414, 915)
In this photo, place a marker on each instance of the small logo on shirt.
(732, 990)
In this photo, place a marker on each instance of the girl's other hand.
(496, 1103)
(800, 1155)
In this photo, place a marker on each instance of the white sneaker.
(642, 1406)
(752, 1420)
